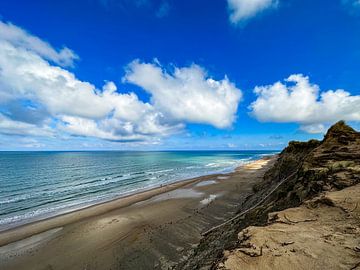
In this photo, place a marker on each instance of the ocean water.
(36, 185)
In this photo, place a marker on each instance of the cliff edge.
(303, 215)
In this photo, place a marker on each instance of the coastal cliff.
(305, 214)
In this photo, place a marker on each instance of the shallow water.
(35, 185)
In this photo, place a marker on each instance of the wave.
(34, 194)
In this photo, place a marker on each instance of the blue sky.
(167, 74)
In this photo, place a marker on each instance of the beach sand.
(142, 231)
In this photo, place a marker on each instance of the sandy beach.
(142, 231)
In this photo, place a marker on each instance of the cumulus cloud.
(26, 75)
(13, 127)
(19, 38)
(314, 128)
(44, 98)
(299, 101)
(187, 94)
(243, 10)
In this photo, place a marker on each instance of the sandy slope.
(323, 233)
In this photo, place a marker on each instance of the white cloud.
(21, 39)
(11, 127)
(187, 94)
(314, 128)
(90, 128)
(53, 94)
(299, 101)
(31, 143)
(243, 10)
(231, 145)
(114, 129)
(25, 75)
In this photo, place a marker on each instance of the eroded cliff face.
(317, 166)
(303, 171)
(322, 233)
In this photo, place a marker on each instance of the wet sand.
(147, 230)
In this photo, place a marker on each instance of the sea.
(38, 185)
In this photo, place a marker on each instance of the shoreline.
(35, 227)
(84, 205)
(143, 231)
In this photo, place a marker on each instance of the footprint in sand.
(114, 220)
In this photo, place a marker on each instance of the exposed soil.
(303, 171)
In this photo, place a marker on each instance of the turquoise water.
(36, 185)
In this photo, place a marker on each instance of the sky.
(176, 74)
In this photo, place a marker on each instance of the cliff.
(316, 182)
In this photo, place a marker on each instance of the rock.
(286, 243)
(252, 252)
